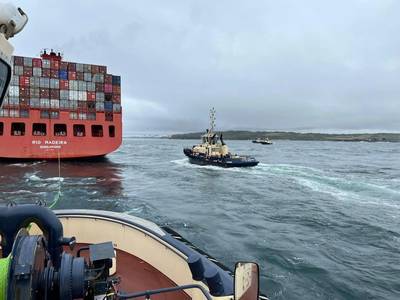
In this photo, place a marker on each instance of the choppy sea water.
(321, 218)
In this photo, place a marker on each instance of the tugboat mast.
(212, 119)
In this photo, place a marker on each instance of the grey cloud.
(262, 64)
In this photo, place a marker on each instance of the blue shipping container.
(63, 74)
(116, 80)
(108, 106)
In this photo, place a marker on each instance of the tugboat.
(263, 141)
(92, 255)
(213, 153)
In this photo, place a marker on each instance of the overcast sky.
(311, 65)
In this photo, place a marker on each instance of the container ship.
(57, 109)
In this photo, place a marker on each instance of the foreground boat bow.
(112, 255)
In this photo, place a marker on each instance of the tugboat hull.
(224, 162)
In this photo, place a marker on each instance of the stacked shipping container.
(51, 85)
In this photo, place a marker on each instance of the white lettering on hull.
(50, 147)
(49, 142)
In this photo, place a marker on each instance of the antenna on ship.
(212, 119)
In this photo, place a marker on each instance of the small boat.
(263, 141)
(211, 152)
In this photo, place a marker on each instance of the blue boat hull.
(224, 162)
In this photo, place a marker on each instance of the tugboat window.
(1, 128)
(60, 130)
(39, 129)
(18, 129)
(111, 131)
(97, 130)
(79, 130)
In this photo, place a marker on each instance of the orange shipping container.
(91, 96)
(116, 89)
(54, 74)
(46, 73)
(24, 81)
(64, 84)
(79, 76)
(36, 62)
(71, 75)
(54, 64)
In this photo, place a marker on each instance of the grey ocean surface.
(321, 218)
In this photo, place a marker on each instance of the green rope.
(4, 269)
(59, 194)
(56, 199)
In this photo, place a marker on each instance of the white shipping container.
(99, 78)
(27, 62)
(81, 85)
(64, 95)
(82, 96)
(79, 67)
(64, 104)
(54, 103)
(91, 86)
(73, 85)
(37, 72)
(99, 96)
(87, 76)
(73, 95)
(13, 91)
(44, 103)
(99, 106)
(117, 107)
(3, 112)
(34, 92)
(19, 70)
(34, 82)
(87, 68)
(13, 101)
(14, 113)
(46, 64)
(73, 104)
(44, 82)
(54, 83)
(14, 80)
(35, 102)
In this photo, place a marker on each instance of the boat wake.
(345, 187)
(27, 164)
(349, 187)
(34, 177)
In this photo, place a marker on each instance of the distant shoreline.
(297, 136)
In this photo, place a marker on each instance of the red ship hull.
(51, 147)
(58, 109)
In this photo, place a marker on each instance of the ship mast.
(212, 119)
